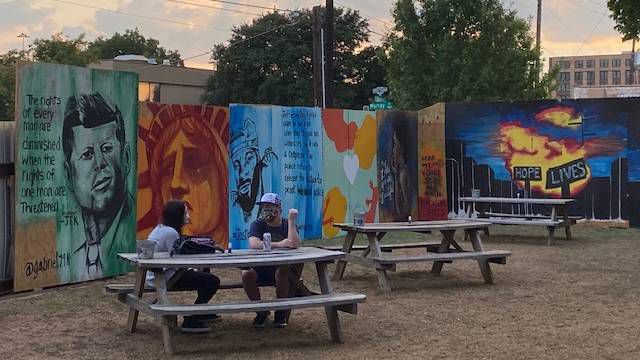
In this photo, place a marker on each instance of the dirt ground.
(577, 299)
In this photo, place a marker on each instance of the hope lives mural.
(350, 169)
(183, 154)
(574, 148)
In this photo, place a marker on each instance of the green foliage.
(626, 14)
(277, 67)
(132, 42)
(61, 50)
(461, 50)
(8, 63)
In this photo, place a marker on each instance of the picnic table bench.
(559, 217)
(167, 312)
(448, 250)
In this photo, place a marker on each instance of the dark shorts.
(266, 275)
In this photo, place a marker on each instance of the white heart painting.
(351, 164)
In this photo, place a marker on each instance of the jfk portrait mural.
(75, 174)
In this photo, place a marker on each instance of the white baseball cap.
(270, 198)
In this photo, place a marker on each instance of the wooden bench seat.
(346, 302)
(128, 288)
(431, 246)
(498, 255)
(573, 219)
(539, 222)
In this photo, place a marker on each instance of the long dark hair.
(173, 214)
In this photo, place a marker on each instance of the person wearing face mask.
(174, 216)
(284, 234)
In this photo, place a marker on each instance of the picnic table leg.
(383, 277)
(567, 228)
(346, 247)
(138, 289)
(485, 269)
(447, 237)
(167, 321)
(332, 313)
(550, 230)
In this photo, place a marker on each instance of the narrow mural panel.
(183, 154)
(275, 149)
(397, 165)
(75, 174)
(350, 168)
(432, 179)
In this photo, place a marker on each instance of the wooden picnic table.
(448, 250)
(167, 312)
(558, 218)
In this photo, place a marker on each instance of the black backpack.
(189, 245)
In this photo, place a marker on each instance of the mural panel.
(275, 149)
(573, 148)
(432, 179)
(75, 174)
(397, 165)
(350, 168)
(183, 154)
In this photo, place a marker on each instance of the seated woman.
(174, 216)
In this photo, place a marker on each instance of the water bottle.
(266, 241)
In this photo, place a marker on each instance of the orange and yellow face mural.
(183, 154)
(575, 149)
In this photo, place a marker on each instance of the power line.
(252, 5)
(386, 23)
(191, 25)
(585, 7)
(591, 33)
(214, 7)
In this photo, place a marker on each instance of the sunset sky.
(570, 27)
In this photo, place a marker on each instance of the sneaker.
(260, 319)
(302, 290)
(209, 317)
(191, 325)
(280, 319)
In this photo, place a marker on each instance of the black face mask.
(268, 215)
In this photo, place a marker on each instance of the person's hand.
(286, 243)
(293, 215)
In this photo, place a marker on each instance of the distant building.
(592, 92)
(161, 83)
(594, 71)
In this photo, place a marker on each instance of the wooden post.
(331, 311)
(167, 320)
(138, 289)
(317, 56)
(485, 269)
(329, 53)
(346, 247)
(447, 236)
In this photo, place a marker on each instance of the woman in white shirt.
(174, 216)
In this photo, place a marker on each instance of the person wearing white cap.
(284, 234)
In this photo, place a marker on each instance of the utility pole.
(633, 62)
(23, 36)
(329, 50)
(538, 25)
(317, 57)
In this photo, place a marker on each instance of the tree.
(132, 42)
(626, 14)
(461, 50)
(61, 50)
(275, 67)
(8, 63)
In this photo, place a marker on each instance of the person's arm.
(255, 235)
(292, 233)
(255, 242)
(292, 241)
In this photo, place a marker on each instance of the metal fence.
(7, 148)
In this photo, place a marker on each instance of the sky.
(569, 27)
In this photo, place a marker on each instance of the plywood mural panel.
(350, 168)
(397, 165)
(432, 177)
(75, 173)
(275, 149)
(183, 154)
